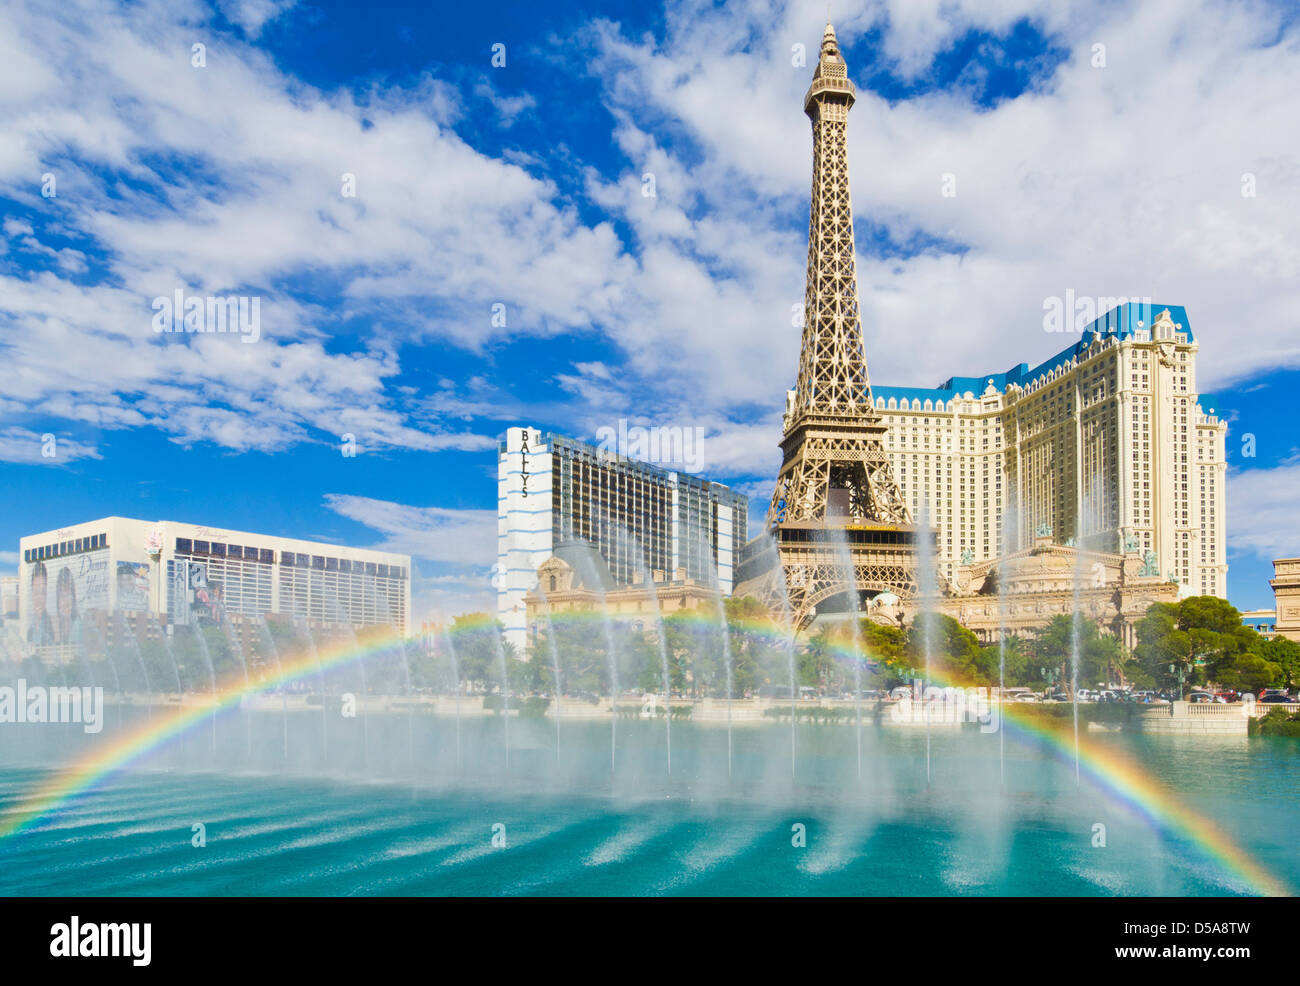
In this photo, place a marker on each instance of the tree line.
(1192, 643)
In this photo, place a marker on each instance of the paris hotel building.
(1106, 443)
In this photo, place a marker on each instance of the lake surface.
(296, 805)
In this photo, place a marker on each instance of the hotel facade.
(170, 573)
(1107, 445)
(645, 521)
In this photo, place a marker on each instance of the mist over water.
(341, 772)
(367, 819)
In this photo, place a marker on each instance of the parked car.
(1275, 698)
(902, 691)
(1200, 698)
(1027, 697)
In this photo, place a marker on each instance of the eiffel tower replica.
(835, 484)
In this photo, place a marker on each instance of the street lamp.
(1177, 669)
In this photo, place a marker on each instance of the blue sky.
(521, 186)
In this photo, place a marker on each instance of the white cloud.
(436, 534)
(253, 15)
(1117, 181)
(43, 448)
(435, 227)
(1262, 512)
(508, 108)
(1122, 180)
(448, 547)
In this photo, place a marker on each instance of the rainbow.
(134, 744)
(1125, 782)
(1122, 780)
(1152, 801)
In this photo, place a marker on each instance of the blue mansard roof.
(1121, 322)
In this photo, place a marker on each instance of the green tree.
(759, 649)
(1249, 673)
(1013, 652)
(1101, 655)
(1199, 639)
(1285, 654)
(815, 665)
(953, 650)
(1052, 646)
(1103, 659)
(480, 643)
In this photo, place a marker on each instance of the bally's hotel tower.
(646, 521)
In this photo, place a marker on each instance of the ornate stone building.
(1286, 595)
(1022, 591)
(576, 579)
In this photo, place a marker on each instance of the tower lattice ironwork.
(836, 486)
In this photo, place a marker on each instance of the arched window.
(553, 583)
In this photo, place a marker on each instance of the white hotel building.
(1108, 442)
(178, 573)
(644, 520)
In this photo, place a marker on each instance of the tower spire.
(835, 460)
(828, 39)
(832, 365)
(836, 486)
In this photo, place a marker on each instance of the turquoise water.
(388, 806)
